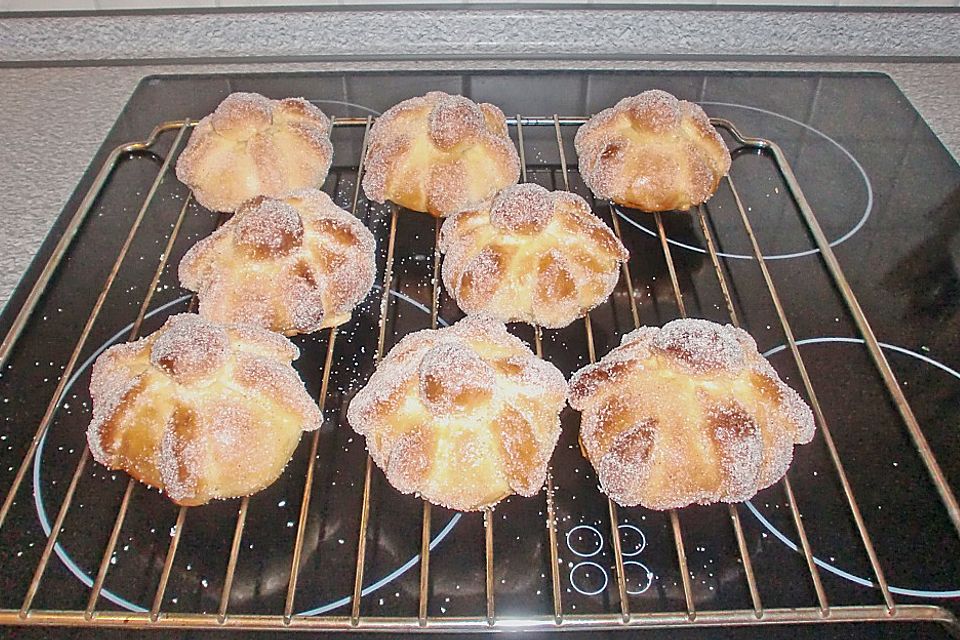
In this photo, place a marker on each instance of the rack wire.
(819, 611)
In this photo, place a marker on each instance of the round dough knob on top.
(439, 154)
(254, 146)
(291, 265)
(463, 416)
(533, 256)
(652, 152)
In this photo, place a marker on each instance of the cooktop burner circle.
(845, 155)
(343, 103)
(630, 544)
(588, 578)
(831, 566)
(85, 576)
(587, 544)
(641, 576)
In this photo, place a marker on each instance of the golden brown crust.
(199, 410)
(687, 413)
(251, 145)
(294, 265)
(464, 416)
(439, 154)
(532, 256)
(652, 152)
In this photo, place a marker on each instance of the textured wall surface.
(491, 31)
(106, 5)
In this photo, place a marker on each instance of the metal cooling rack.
(820, 611)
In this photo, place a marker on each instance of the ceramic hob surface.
(887, 195)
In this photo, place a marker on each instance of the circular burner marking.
(594, 565)
(346, 104)
(595, 532)
(638, 547)
(776, 256)
(647, 576)
(837, 571)
(118, 600)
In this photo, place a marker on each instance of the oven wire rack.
(819, 612)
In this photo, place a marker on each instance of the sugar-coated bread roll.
(687, 413)
(291, 265)
(200, 410)
(252, 146)
(652, 152)
(531, 256)
(439, 154)
(463, 416)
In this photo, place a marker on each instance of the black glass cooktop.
(887, 194)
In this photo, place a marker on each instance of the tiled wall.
(68, 5)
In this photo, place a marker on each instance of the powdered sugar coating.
(291, 265)
(532, 256)
(199, 410)
(252, 145)
(439, 154)
(453, 379)
(194, 350)
(525, 208)
(268, 228)
(687, 413)
(453, 118)
(700, 346)
(464, 416)
(652, 152)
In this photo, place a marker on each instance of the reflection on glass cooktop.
(887, 194)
